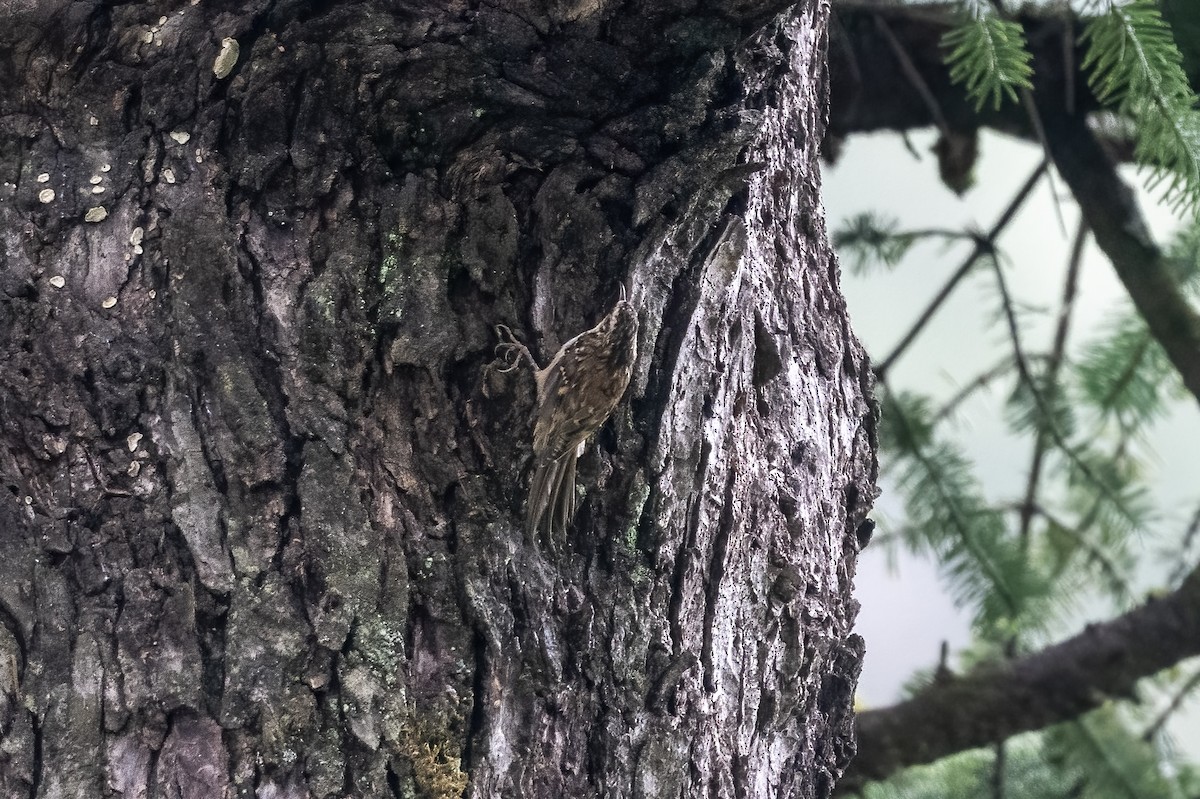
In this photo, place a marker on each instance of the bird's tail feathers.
(552, 498)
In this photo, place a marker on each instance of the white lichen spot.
(58, 281)
(147, 36)
(169, 175)
(181, 136)
(94, 179)
(135, 238)
(132, 441)
(162, 21)
(28, 500)
(153, 293)
(108, 302)
(137, 249)
(97, 213)
(93, 121)
(46, 195)
(135, 468)
(199, 156)
(43, 178)
(226, 59)
(106, 167)
(97, 189)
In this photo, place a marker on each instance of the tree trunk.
(265, 532)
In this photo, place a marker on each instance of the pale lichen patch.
(96, 213)
(226, 59)
(46, 195)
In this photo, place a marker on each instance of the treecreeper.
(576, 393)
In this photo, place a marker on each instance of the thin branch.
(983, 246)
(981, 381)
(1056, 356)
(934, 232)
(1039, 130)
(1026, 376)
(1189, 536)
(1176, 702)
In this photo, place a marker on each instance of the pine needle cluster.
(1133, 65)
(987, 55)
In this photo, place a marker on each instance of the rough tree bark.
(263, 531)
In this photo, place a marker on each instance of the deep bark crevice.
(716, 572)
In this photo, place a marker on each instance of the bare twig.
(981, 381)
(1176, 702)
(1052, 368)
(1189, 536)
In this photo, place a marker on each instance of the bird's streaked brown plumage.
(576, 392)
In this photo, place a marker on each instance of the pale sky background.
(905, 612)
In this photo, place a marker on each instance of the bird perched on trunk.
(576, 392)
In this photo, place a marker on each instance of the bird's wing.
(568, 411)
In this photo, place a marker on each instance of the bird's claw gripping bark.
(510, 350)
